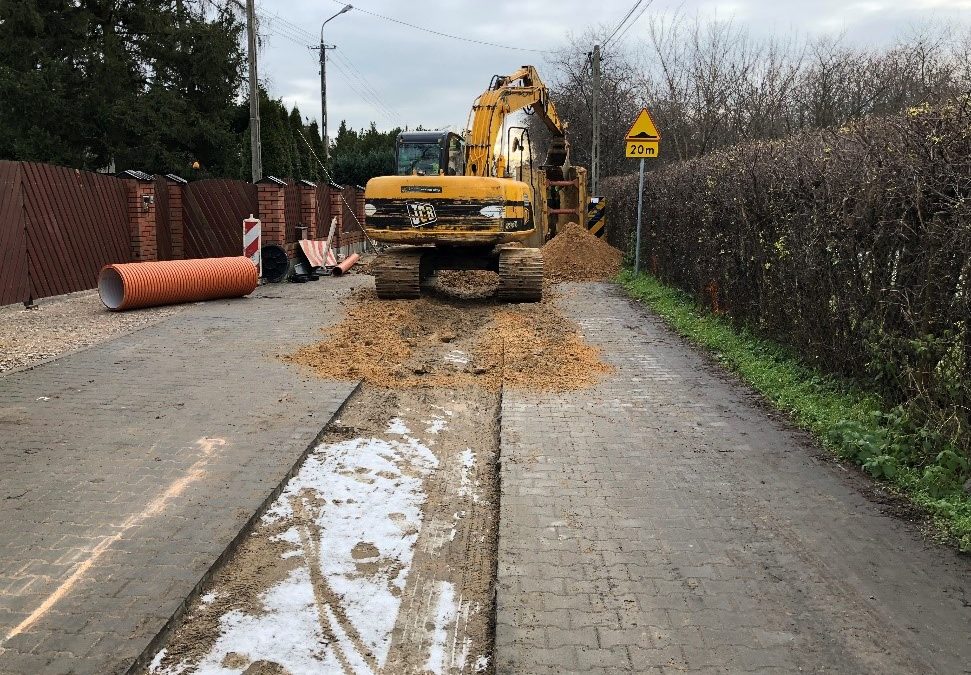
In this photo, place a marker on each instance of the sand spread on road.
(438, 342)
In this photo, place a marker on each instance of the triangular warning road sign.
(643, 128)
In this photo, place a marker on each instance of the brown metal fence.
(13, 236)
(323, 210)
(348, 207)
(163, 220)
(58, 227)
(213, 212)
(291, 210)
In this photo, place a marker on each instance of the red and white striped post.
(253, 242)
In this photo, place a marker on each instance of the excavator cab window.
(424, 153)
(422, 159)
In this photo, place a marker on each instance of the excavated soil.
(466, 284)
(576, 255)
(435, 342)
(409, 590)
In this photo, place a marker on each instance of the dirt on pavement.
(436, 342)
(576, 255)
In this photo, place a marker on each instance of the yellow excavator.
(464, 203)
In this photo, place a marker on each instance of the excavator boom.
(518, 91)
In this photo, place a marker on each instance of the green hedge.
(850, 246)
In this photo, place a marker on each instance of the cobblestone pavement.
(664, 522)
(127, 469)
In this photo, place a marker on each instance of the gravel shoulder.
(64, 324)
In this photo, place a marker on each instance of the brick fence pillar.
(359, 205)
(271, 206)
(141, 214)
(175, 185)
(308, 207)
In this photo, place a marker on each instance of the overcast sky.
(396, 75)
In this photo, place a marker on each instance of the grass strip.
(846, 419)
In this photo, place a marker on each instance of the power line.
(623, 21)
(310, 37)
(275, 25)
(365, 83)
(363, 95)
(289, 30)
(441, 34)
(367, 99)
(634, 21)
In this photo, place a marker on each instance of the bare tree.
(711, 84)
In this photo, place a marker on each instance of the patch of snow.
(445, 613)
(208, 598)
(481, 664)
(458, 357)
(397, 426)
(436, 425)
(346, 493)
(286, 633)
(157, 661)
(466, 487)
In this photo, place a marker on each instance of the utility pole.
(256, 150)
(595, 145)
(323, 95)
(323, 82)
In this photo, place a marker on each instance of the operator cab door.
(455, 155)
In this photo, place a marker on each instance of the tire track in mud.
(450, 591)
(420, 464)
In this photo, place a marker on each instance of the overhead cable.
(622, 22)
(443, 34)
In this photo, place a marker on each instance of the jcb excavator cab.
(429, 153)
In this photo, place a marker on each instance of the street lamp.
(323, 82)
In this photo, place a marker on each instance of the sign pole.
(640, 210)
(643, 140)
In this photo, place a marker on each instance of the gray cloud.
(431, 80)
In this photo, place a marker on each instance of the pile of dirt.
(467, 284)
(576, 255)
(438, 343)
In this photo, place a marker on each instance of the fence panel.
(13, 238)
(323, 210)
(163, 219)
(349, 206)
(291, 210)
(77, 222)
(213, 212)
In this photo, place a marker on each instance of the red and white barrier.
(314, 250)
(253, 242)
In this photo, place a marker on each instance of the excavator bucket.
(559, 152)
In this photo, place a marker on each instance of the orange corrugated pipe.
(346, 265)
(147, 284)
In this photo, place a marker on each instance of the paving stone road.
(664, 522)
(126, 469)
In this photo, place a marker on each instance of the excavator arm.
(522, 89)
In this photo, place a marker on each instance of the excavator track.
(397, 273)
(520, 274)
